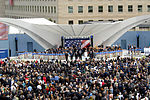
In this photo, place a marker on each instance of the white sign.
(147, 50)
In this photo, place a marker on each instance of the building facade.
(77, 11)
(2, 8)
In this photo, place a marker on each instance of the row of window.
(35, 0)
(46, 9)
(110, 8)
(81, 21)
(19, 17)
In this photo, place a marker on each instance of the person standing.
(91, 54)
(80, 53)
(76, 55)
(71, 55)
(66, 56)
(85, 54)
(129, 48)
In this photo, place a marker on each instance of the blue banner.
(3, 53)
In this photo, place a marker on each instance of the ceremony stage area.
(100, 55)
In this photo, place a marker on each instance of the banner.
(3, 53)
(83, 42)
(147, 51)
(11, 2)
(3, 31)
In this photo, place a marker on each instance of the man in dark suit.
(76, 55)
(71, 55)
(80, 53)
(66, 56)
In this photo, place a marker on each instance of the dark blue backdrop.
(3, 53)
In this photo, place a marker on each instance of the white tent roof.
(48, 34)
(13, 30)
(38, 21)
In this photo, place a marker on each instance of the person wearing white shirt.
(39, 87)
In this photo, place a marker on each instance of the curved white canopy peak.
(110, 35)
(49, 35)
(46, 39)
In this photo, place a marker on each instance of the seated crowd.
(121, 79)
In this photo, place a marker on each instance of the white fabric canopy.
(48, 34)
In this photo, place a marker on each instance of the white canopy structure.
(48, 34)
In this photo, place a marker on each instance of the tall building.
(77, 11)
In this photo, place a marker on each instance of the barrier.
(109, 54)
(29, 55)
(146, 51)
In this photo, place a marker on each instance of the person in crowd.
(66, 56)
(129, 48)
(134, 48)
(71, 55)
(76, 55)
(91, 53)
(80, 52)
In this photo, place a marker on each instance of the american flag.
(79, 42)
(11, 2)
(3, 31)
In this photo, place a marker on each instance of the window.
(54, 9)
(148, 8)
(120, 19)
(90, 20)
(70, 9)
(37, 8)
(43, 8)
(80, 21)
(70, 22)
(32, 8)
(130, 8)
(51, 9)
(100, 8)
(46, 9)
(90, 9)
(120, 8)
(110, 8)
(80, 9)
(40, 8)
(139, 8)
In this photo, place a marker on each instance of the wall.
(4, 48)
(131, 38)
(4, 44)
(22, 43)
(2, 8)
(26, 9)
(64, 16)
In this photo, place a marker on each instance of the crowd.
(75, 49)
(116, 79)
(78, 52)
